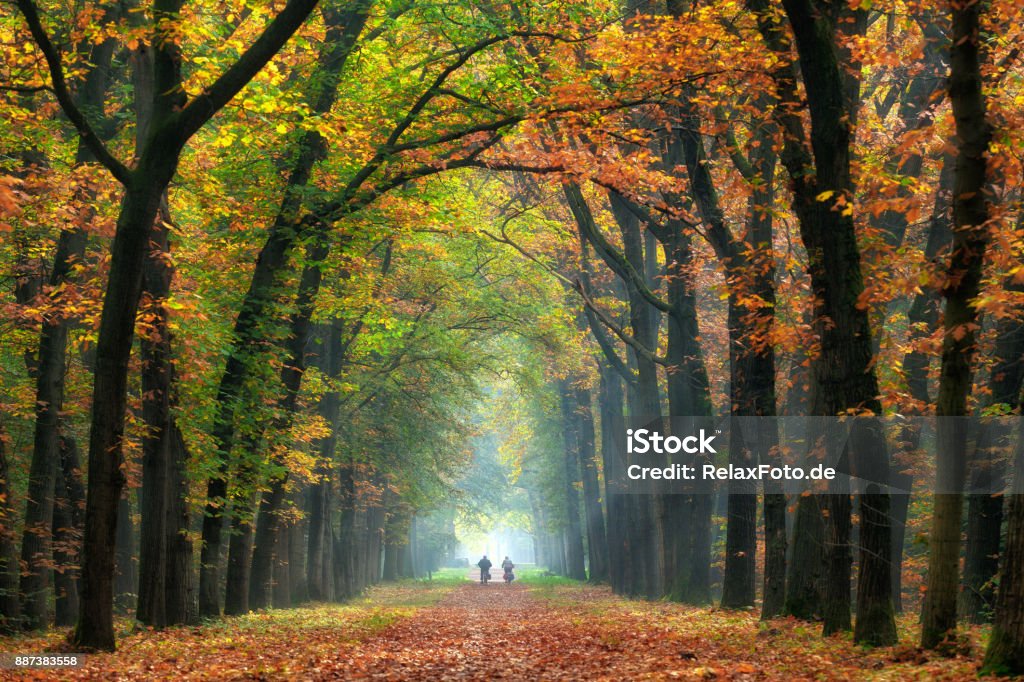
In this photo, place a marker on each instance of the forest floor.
(537, 629)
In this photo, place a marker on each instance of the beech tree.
(368, 279)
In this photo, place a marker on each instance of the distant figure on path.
(507, 566)
(485, 569)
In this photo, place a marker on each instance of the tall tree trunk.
(773, 598)
(297, 561)
(1005, 653)
(291, 378)
(343, 29)
(922, 318)
(645, 561)
(970, 238)
(95, 626)
(611, 402)
(52, 356)
(392, 544)
(644, 402)
(750, 272)
(144, 185)
(180, 605)
(319, 493)
(9, 605)
(267, 524)
(575, 567)
(68, 520)
(689, 396)
(836, 605)
(805, 585)
(282, 597)
(297, 588)
(597, 539)
(819, 169)
(157, 442)
(319, 535)
(346, 541)
(375, 530)
(236, 588)
(126, 570)
(988, 474)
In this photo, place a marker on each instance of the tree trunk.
(120, 303)
(68, 510)
(611, 402)
(180, 606)
(36, 541)
(597, 540)
(923, 317)
(804, 587)
(50, 364)
(741, 531)
(297, 557)
(319, 493)
(390, 573)
(644, 514)
(282, 597)
(126, 577)
(645, 402)
(749, 270)
(291, 379)
(575, 567)
(836, 612)
(266, 538)
(317, 511)
(347, 540)
(375, 529)
(688, 396)
(9, 605)
(819, 169)
(157, 376)
(970, 238)
(988, 474)
(343, 28)
(236, 592)
(740, 539)
(1005, 653)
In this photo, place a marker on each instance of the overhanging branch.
(55, 66)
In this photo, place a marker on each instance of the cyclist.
(507, 567)
(485, 569)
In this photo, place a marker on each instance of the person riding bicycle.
(485, 569)
(507, 566)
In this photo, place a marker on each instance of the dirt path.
(461, 630)
(502, 632)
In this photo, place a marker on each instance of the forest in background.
(292, 288)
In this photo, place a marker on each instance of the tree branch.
(202, 108)
(55, 66)
(609, 254)
(627, 338)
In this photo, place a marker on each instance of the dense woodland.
(291, 290)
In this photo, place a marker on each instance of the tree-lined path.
(304, 300)
(541, 628)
